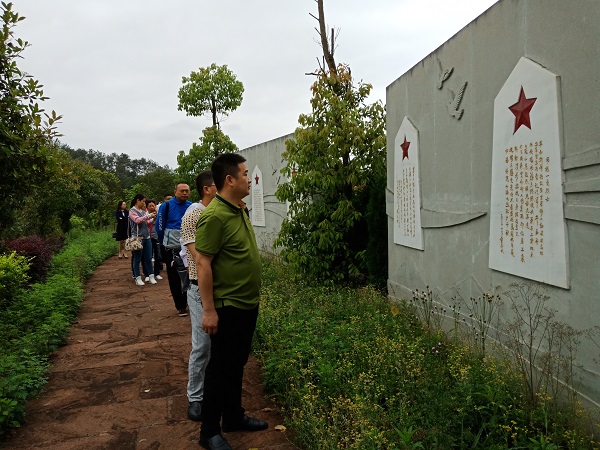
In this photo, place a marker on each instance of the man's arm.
(210, 320)
(191, 251)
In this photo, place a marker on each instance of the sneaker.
(152, 280)
(139, 282)
(147, 279)
(182, 313)
(158, 277)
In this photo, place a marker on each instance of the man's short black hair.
(225, 164)
(204, 178)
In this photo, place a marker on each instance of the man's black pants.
(180, 298)
(229, 351)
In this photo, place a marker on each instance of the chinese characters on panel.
(257, 214)
(527, 226)
(407, 192)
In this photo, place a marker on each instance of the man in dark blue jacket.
(168, 229)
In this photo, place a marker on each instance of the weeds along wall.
(264, 162)
(493, 153)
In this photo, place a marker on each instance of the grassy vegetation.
(37, 320)
(355, 372)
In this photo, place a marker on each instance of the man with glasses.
(229, 278)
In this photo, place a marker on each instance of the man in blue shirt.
(168, 228)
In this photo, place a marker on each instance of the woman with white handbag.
(139, 242)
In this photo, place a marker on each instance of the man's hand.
(210, 321)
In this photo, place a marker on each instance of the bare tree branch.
(327, 53)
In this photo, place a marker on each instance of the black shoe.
(194, 410)
(182, 313)
(246, 424)
(217, 442)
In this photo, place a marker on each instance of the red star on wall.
(256, 179)
(521, 110)
(404, 147)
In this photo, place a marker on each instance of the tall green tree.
(213, 90)
(156, 183)
(72, 188)
(25, 129)
(200, 157)
(334, 156)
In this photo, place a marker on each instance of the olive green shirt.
(225, 232)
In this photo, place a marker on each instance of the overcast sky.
(113, 68)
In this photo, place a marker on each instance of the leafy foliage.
(127, 170)
(25, 129)
(212, 143)
(214, 90)
(71, 187)
(38, 251)
(376, 254)
(13, 277)
(154, 184)
(333, 158)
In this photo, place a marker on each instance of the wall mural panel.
(407, 187)
(527, 225)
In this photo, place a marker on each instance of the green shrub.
(376, 254)
(22, 376)
(13, 277)
(38, 250)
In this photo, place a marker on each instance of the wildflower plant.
(482, 314)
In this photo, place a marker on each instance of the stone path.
(120, 382)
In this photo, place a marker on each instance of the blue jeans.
(145, 256)
(200, 353)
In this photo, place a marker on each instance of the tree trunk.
(213, 109)
(325, 44)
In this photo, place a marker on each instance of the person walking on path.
(156, 259)
(121, 216)
(229, 278)
(168, 228)
(200, 353)
(138, 226)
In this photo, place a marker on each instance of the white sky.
(113, 68)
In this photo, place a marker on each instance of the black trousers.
(157, 257)
(229, 351)
(180, 298)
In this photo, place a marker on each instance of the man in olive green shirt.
(229, 272)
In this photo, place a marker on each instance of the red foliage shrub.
(39, 249)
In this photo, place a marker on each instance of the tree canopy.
(336, 154)
(200, 157)
(213, 90)
(26, 131)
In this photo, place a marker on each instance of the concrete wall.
(267, 156)
(456, 156)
